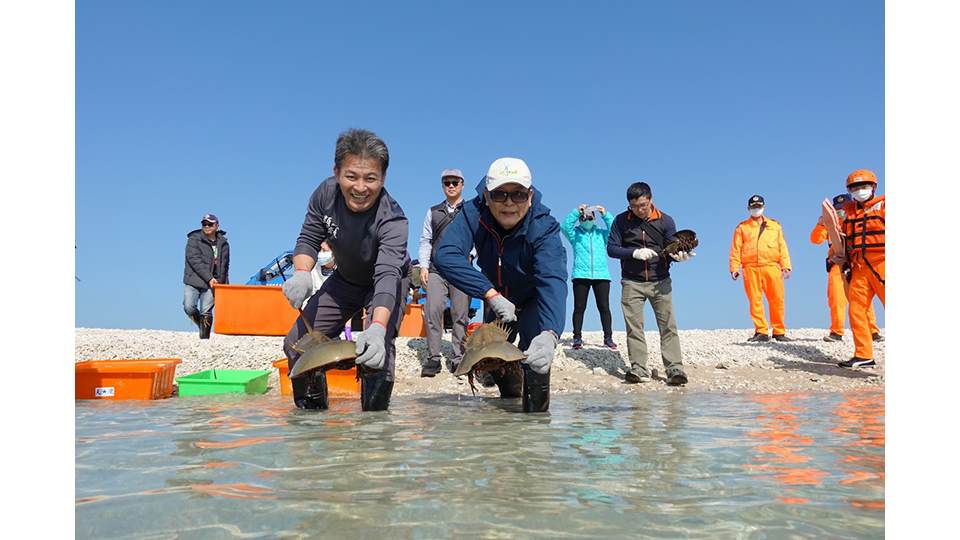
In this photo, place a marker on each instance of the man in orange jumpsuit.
(864, 233)
(836, 281)
(759, 246)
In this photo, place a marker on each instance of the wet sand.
(715, 361)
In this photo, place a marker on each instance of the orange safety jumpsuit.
(759, 246)
(837, 289)
(865, 239)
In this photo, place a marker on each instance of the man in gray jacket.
(367, 233)
(206, 263)
(439, 290)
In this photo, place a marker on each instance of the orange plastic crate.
(340, 383)
(139, 378)
(412, 324)
(251, 310)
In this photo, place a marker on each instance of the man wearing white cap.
(523, 270)
(438, 218)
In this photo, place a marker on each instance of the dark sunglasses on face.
(207, 224)
(588, 217)
(451, 183)
(518, 197)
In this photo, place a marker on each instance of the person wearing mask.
(637, 237)
(589, 242)
(864, 230)
(761, 249)
(836, 280)
(206, 263)
(367, 234)
(439, 290)
(523, 271)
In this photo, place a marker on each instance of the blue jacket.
(527, 265)
(589, 246)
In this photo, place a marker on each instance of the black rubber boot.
(206, 323)
(536, 391)
(375, 390)
(197, 320)
(310, 391)
(509, 383)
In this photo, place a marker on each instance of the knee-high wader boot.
(509, 382)
(310, 391)
(375, 389)
(206, 323)
(536, 391)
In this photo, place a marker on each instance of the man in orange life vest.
(759, 246)
(865, 242)
(837, 282)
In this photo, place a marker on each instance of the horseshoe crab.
(487, 350)
(317, 351)
(684, 240)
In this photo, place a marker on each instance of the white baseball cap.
(508, 170)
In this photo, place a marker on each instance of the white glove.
(371, 346)
(505, 310)
(683, 256)
(298, 288)
(644, 254)
(540, 353)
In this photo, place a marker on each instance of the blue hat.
(210, 217)
(841, 200)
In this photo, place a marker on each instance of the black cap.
(755, 200)
(841, 200)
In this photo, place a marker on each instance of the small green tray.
(224, 381)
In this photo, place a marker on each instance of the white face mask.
(756, 212)
(862, 194)
(324, 257)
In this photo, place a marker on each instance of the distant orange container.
(472, 327)
(412, 324)
(340, 382)
(251, 310)
(143, 378)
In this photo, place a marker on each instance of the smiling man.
(523, 270)
(367, 233)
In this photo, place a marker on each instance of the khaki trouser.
(659, 293)
(438, 290)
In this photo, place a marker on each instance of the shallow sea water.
(652, 465)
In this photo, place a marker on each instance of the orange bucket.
(251, 310)
(412, 324)
(146, 378)
(340, 382)
(472, 326)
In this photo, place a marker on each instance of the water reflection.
(861, 416)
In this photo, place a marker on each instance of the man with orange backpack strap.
(760, 247)
(837, 282)
(864, 233)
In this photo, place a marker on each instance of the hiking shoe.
(676, 376)
(608, 343)
(833, 337)
(430, 369)
(857, 362)
(759, 337)
(782, 338)
(577, 344)
(637, 374)
(877, 337)
(452, 366)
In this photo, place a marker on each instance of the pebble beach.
(719, 361)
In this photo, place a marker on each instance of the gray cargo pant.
(438, 290)
(660, 295)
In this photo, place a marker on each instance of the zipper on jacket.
(763, 226)
(646, 267)
(499, 256)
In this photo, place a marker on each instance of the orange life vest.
(864, 229)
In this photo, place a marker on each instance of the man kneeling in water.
(367, 233)
(523, 271)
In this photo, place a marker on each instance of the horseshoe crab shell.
(684, 240)
(320, 352)
(487, 349)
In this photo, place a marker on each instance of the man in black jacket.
(206, 263)
(637, 238)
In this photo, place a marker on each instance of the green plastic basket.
(224, 381)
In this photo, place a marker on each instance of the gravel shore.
(715, 361)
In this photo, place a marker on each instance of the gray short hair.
(363, 144)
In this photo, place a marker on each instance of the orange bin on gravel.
(251, 310)
(140, 378)
(340, 382)
(412, 324)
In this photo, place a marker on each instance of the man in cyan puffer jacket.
(589, 242)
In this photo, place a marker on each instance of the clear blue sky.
(184, 108)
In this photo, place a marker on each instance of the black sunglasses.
(207, 224)
(450, 183)
(587, 217)
(518, 196)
